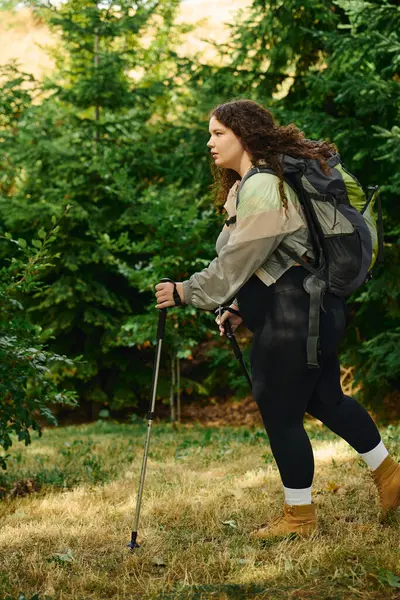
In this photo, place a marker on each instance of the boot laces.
(276, 520)
(281, 517)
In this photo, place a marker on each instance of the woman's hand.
(234, 320)
(165, 294)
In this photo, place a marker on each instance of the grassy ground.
(205, 490)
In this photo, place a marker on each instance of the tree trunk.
(178, 387)
(172, 393)
(97, 107)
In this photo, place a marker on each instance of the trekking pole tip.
(133, 544)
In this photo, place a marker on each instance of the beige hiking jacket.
(251, 245)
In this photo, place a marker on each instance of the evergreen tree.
(29, 380)
(98, 141)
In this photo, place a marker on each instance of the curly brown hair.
(263, 139)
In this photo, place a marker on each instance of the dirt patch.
(242, 412)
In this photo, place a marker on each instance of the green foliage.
(27, 387)
(108, 154)
(386, 577)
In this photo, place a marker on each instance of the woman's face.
(226, 148)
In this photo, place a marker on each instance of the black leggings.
(284, 388)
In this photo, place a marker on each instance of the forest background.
(106, 187)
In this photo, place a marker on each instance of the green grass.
(205, 490)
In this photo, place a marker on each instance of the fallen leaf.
(333, 487)
(24, 487)
(243, 561)
(63, 557)
(230, 523)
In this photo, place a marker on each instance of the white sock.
(376, 456)
(298, 496)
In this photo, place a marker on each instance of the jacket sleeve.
(260, 227)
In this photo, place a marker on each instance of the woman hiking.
(268, 289)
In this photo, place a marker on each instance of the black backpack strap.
(298, 259)
(316, 288)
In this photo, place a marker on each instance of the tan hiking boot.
(387, 480)
(300, 520)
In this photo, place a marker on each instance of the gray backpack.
(347, 237)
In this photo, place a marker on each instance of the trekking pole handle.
(163, 314)
(232, 338)
(235, 346)
(162, 318)
(226, 324)
(228, 329)
(176, 296)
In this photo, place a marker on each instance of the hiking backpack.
(346, 235)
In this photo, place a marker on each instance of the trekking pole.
(231, 337)
(150, 416)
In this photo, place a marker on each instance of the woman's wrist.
(179, 289)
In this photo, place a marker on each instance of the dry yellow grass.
(205, 490)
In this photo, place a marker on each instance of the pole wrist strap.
(229, 309)
(177, 298)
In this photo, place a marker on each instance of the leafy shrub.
(27, 384)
